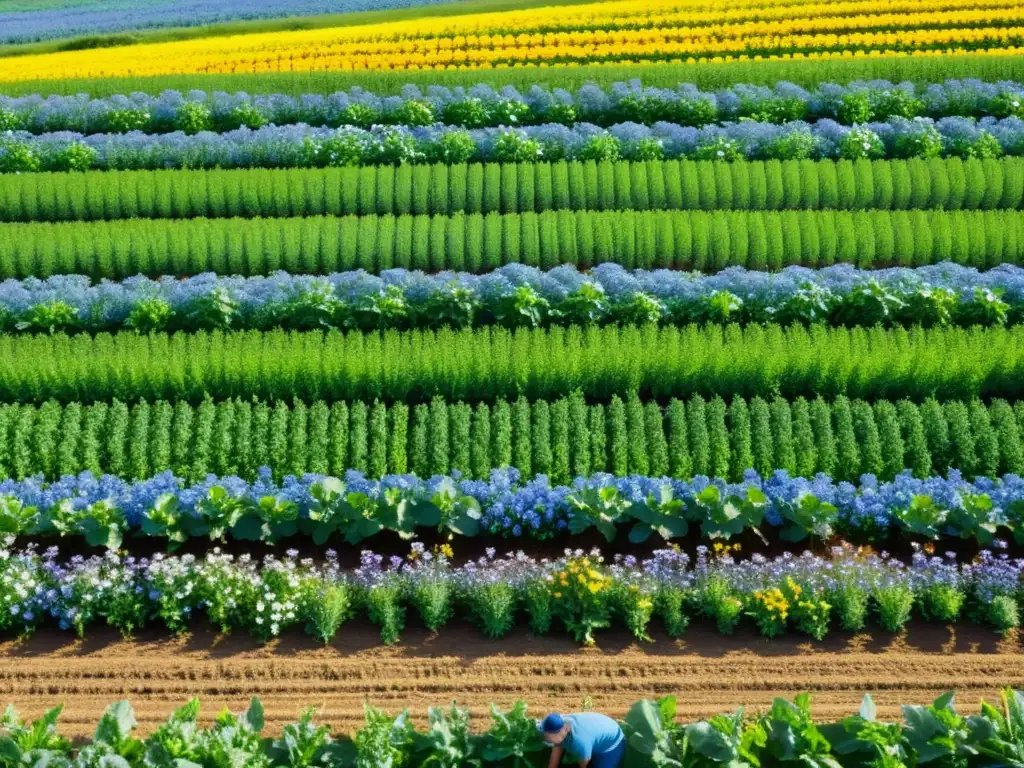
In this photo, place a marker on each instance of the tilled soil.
(707, 672)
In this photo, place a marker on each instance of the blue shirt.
(590, 734)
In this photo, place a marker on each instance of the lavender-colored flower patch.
(75, 19)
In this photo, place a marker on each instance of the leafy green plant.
(450, 511)
(864, 738)
(868, 304)
(893, 603)
(513, 738)
(599, 508)
(328, 510)
(235, 739)
(304, 745)
(51, 317)
(216, 309)
(793, 737)
(807, 516)
(522, 307)
(587, 304)
(176, 743)
(726, 740)
(650, 730)
(23, 744)
(378, 311)
(448, 742)
(922, 517)
(101, 523)
(114, 737)
(219, 512)
(316, 306)
(662, 514)
(998, 734)
(16, 519)
(453, 306)
(975, 518)
(723, 518)
(937, 734)
(165, 520)
(270, 519)
(150, 314)
(384, 742)
(327, 609)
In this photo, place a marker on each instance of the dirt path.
(707, 672)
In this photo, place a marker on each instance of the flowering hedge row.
(519, 295)
(106, 509)
(561, 439)
(579, 591)
(599, 361)
(944, 183)
(701, 240)
(482, 106)
(303, 146)
(653, 737)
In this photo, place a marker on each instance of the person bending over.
(592, 739)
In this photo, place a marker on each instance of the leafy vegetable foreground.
(933, 734)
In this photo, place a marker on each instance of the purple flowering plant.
(278, 594)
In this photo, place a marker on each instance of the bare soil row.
(707, 672)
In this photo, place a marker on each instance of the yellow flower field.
(626, 31)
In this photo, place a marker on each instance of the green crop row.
(563, 438)
(949, 183)
(701, 240)
(806, 73)
(490, 363)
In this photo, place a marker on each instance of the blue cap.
(553, 723)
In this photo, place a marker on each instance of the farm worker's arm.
(556, 757)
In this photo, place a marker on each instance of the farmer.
(594, 740)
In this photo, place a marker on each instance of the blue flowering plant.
(517, 295)
(481, 106)
(304, 146)
(106, 510)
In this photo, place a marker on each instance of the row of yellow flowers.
(614, 31)
(768, 45)
(348, 66)
(921, 23)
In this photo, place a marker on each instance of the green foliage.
(712, 240)
(426, 189)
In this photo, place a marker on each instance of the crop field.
(377, 378)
